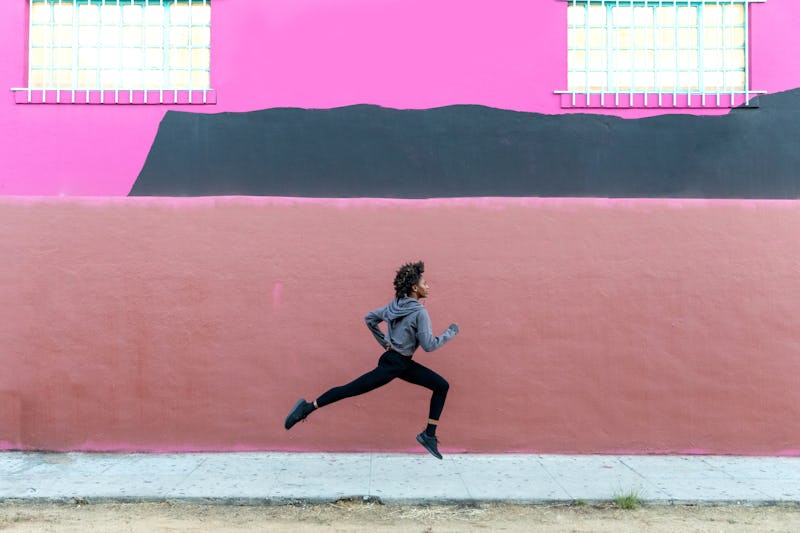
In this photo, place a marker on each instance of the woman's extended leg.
(390, 365)
(420, 375)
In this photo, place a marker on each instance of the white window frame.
(76, 92)
(631, 97)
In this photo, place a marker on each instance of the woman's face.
(421, 288)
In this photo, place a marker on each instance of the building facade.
(201, 199)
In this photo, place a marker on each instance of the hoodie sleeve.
(374, 318)
(425, 333)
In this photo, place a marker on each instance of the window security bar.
(139, 51)
(691, 53)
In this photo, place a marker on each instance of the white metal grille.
(118, 46)
(653, 48)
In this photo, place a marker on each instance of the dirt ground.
(371, 517)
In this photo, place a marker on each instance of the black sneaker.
(430, 444)
(299, 412)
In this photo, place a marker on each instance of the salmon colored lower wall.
(588, 326)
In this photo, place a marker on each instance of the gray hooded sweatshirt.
(408, 326)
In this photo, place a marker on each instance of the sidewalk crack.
(369, 479)
(541, 463)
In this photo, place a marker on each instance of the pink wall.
(507, 54)
(587, 325)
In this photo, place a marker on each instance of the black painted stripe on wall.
(465, 150)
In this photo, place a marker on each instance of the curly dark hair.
(407, 276)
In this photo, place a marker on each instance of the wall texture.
(587, 325)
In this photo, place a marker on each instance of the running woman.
(408, 326)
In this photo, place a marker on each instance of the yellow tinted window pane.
(666, 80)
(576, 81)
(87, 79)
(713, 80)
(598, 81)
(179, 14)
(598, 39)
(179, 57)
(643, 59)
(644, 81)
(734, 37)
(132, 58)
(87, 57)
(109, 36)
(687, 59)
(688, 80)
(665, 16)
(576, 15)
(712, 15)
(153, 79)
(712, 38)
(734, 14)
(154, 15)
(38, 57)
(624, 61)
(109, 57)
(621, 16)
(200, 79)
(200, 58)
(62, 36)
(598, 60)
(622, 39)
(712, 59)
(687, 38)
(36, 79)
(89, 36)
(624, 81)
(62, 79)
(88, 14)
(132, 14)
(576, 38)
(62, 14)
(201, 14)
(665, 38)
(62, 57)
(38, 35)
(597, 16)
(109, 79)
(40, 14)
(576, 59)
(179, 36)
(179, 78)
(110, 14)
(201, 36)
(154, 58)
(132, 78)
(734, 80)
(154, 36)
(734, 59)
(132, 36)
(687, 16)
(643, 16)
(665, 59)
(643, 38)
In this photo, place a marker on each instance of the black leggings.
(393, 365)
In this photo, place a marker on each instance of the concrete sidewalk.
(274, 478)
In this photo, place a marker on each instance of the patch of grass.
(580, 503)
(627, 500)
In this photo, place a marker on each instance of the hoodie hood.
(400, 307)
